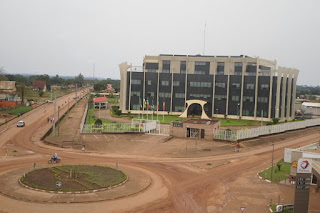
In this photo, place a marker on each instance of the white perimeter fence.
(136, 125)
(264, 130)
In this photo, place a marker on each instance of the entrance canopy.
(189, 103)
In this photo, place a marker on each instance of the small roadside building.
(100, 102)
(55, 87)
(39, 85)
(311, 107)
(195, 128)
(8, 94)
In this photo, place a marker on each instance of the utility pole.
(272, 161)
(58, 119)
(76, 93)
(261, 117)
(54, 115)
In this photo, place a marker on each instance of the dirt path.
(178, 184)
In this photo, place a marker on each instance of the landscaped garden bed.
(73, 178)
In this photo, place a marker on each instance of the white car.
(21, 124)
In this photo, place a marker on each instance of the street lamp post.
(238, 110)
(272, 161)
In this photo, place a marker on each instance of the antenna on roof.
(204, 37)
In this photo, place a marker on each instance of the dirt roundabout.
(9, 186)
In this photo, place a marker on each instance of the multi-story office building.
(236, 86)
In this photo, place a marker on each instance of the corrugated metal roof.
(310, 104)
(100, 99)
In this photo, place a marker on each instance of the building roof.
(100, 99)
(310, 104)
(201, 121)
(7, 86)
(39, 84)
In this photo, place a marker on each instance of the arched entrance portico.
(196, 106)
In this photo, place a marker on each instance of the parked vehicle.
(21, 124)
(48, 101)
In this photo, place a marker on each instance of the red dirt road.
(178, 184)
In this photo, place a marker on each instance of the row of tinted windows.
(202, 84)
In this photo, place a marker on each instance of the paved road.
(178, 185)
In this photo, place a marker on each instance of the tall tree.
(2, 75)
(79, 80)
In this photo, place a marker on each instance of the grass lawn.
(277, 175)
(20, 109)
(112, 100)
(273, 207)
(236, 122)
(91, 118)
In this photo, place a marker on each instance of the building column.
(123, 83)
(284, 86)
(158, 104)
(244, 66)
(129, 108)
(294, 93)
(214, 68)
(289, 95)
(256, 89)
(171, 91)
(277, 109)
(228, 83)
(270, 94)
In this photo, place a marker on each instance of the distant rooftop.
(198, 55)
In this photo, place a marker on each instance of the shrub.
(279, 165)
(275, 120)
(269, 123)
(98, 122)
(225, 116)
(118, 112)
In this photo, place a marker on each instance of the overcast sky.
(66, 37)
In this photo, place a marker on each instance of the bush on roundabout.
(73, 178)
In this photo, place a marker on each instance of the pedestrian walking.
(52, 119)
(238, 146)
(48, 119)
(235, 147)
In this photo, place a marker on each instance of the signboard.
(303, 181)
(176, 124)
(242, 209)
(304, 165)
(294, 164)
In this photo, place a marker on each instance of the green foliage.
(21, 110)
(98, 122)
(279, 165)
(209, 164)
(225, 116)
(277, 175)
(41, 93)
(269, 123)
(275, 120)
